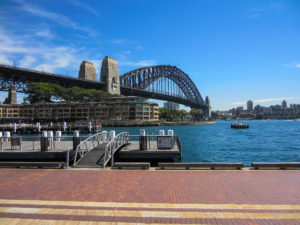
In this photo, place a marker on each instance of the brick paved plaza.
(149, 197)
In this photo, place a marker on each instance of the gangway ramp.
(94, 158)
(97, 150)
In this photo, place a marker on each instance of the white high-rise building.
(250, 105)
(284, 104)
(171, 105)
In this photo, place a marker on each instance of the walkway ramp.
(94, 158)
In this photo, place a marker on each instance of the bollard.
(1, 141)
(143, 139)
(58, 135)
(6, 136)
(76, 139)
(90, 126)
(51, 124)
(104, 135)
(44, 142)
(142, 132)
(112, 135)
(15, 127)
(161, 132)
(50, 138)
(171, 132)
(38, 127)
(64, 126)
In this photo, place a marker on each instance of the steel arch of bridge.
(140, 79)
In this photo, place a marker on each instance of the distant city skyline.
(234, 51)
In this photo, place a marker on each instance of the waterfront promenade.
(85, 196)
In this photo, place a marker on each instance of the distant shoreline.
(159, 123)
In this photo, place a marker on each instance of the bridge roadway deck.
(142, 197)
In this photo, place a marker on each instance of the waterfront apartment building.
(116, 108)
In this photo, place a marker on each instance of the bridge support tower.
(87, 71)
(207, 111)
(110, 75)
(12, 95)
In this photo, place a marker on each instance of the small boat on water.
(238, 125)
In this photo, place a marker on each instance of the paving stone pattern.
(149, 197)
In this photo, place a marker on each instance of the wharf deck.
(29, 154)
(30, 146)
(89, 196)
(132, 151)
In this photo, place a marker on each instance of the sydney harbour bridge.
(162, 82)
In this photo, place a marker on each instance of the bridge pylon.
(12, 95)
(110, 75)
(207, 111)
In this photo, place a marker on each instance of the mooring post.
(44, 142)
(76, 139)
(68, 158)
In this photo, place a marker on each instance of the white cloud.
(85, 6)
(140, 47)
(59, 58)
(117, 41)
(27, 61)
(4, 60)
(44, 33)
(38, 55)
(292, 65)
(258, 12)
(266, 100)
(141, 63)
(58, 18)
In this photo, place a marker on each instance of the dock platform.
(30, 146)
(132, 151)
(60, 151)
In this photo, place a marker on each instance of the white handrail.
(113, 145)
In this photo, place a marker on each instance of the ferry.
(238, 125)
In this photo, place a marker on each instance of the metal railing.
(152, 139)
(33, 142)
(89, 144)
(112, 146)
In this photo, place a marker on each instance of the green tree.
(6, 101)
(40, 92)
(182, 114)
(197, 114)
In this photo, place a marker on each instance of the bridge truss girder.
(20, 78)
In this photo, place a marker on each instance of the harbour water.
(269, 141)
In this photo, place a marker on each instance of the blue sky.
(232, 50)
